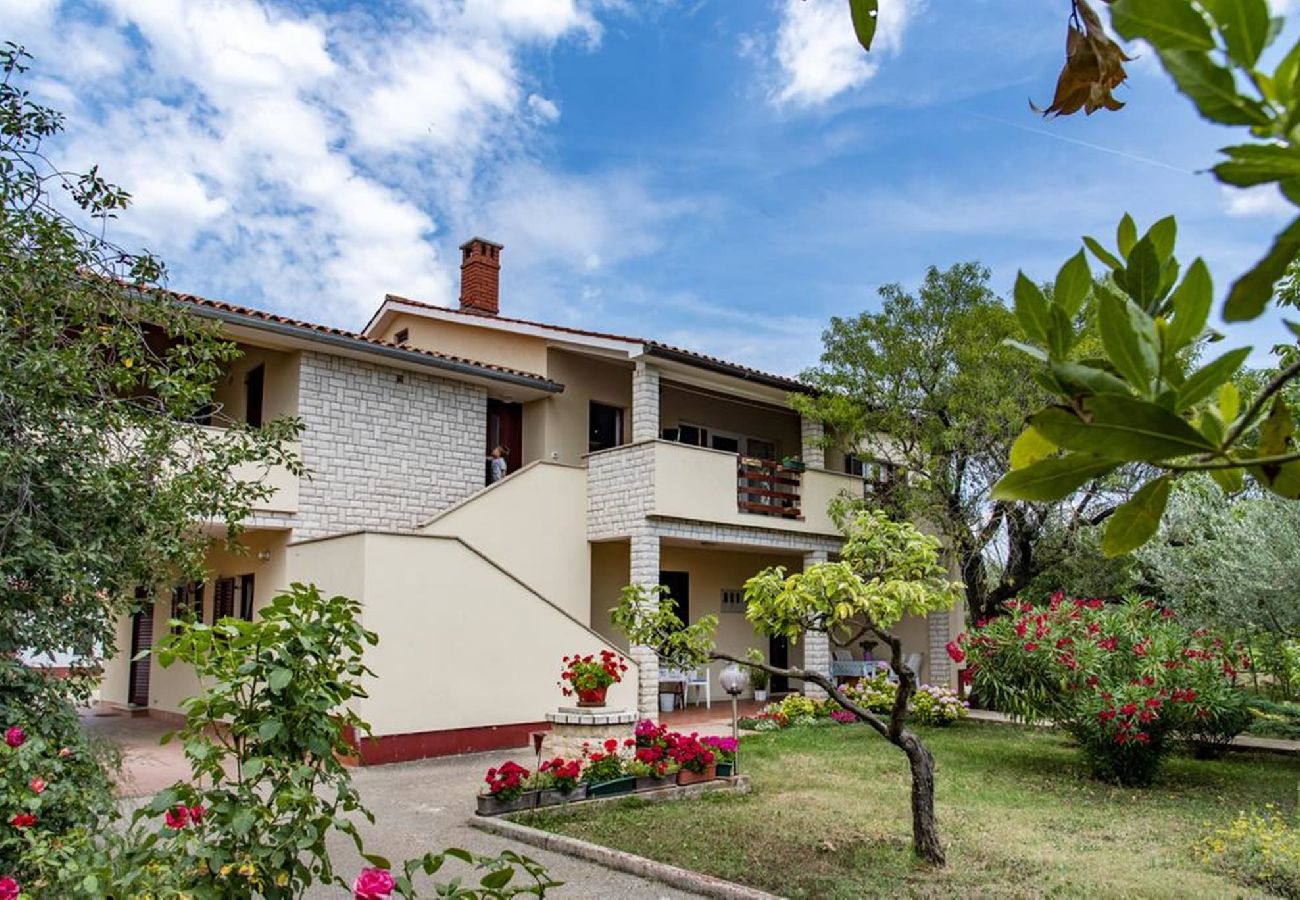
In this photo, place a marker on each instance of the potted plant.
(506, 790)
(650, 776)
(793, 464)
(697, 761)
(604, 771)
(759, 679)
(559, 781)
(724, 751)
(590, 677)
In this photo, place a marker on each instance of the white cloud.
(818, 52)
(309, 161)
(1264, 200)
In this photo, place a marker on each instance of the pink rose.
(9, 889)
(15, 737)
(38, 785)
(373, 884)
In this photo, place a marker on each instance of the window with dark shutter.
(223, 599)
(246, 597)
(402, 336)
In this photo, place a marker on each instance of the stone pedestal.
(573, 726)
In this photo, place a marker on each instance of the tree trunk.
(925, 832)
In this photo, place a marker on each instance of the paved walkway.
(418, 806)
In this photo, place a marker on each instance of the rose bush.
(1124, 679)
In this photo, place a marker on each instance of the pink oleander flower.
(15, 737)
(178, 817)
(65, 752)
(38, 784)
(373, 884)
(9, 889)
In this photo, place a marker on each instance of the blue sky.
(722, 174)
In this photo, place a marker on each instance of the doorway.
(137, 689)
(679, 590)
(778, 654)
(505, 428)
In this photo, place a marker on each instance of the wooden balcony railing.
(766, 488)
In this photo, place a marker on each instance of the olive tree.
(887, 570)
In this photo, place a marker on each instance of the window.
(402, 336)
(604, 427)
(254, 386)
(733, 600)
(728, 442)
(187, 601)
(693, 435)
(223, 599)
(246, 597)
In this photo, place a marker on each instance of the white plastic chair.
(913, 662)
(699, 678)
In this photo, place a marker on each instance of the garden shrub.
(1272, 718)
(1125, 680)
(1257, 849)
(937, 705)
(876, 693)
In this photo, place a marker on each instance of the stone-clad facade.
(384, 448)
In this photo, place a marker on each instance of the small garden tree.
(887, 570)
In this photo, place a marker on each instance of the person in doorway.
(498, 462)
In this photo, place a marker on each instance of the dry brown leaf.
(1094, 67)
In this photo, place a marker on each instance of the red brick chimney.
(480, 277)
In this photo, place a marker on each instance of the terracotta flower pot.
(686, 776)
(593, 697)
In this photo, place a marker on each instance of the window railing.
(764, 487)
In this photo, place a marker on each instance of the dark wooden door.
(778, 654)
(505, 428)
(254, 389)
(679, 589)
(137, 691)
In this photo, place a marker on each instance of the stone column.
(938, 627)
(817, 646)
(645, 572)
(814, 455)
(645, 403)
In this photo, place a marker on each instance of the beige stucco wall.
(533, 523)
(280, 387)
(168, 687)
(611, 568)
(678, 404)
(461, 643)
(502, 348)
(696, 483)
(563, 418)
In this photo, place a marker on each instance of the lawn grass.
(828, 818)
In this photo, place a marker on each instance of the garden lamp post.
(734, 681)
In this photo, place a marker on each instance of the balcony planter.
(623, 785)
(686, 776)
(593, 697)
(652, 783)
(725, 770)
(790, 464)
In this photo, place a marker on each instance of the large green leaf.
(1103, 255)
(1029, 448)
(1167, 24)
(1141, 277)
(1207, 379)
(1212, 88)
(1252, 291)
(1031, 309)
(1132, 353)
(1121, 428)
(1134, 522)
(1079, 378)
(1073, 283)
(1051, 479)
(1164, 234)
(1191, 301)
(1126, 235)
(1251, 164)
(1244, 25)
(865, 15)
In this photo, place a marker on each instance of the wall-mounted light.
(264, 555)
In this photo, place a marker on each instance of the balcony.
(285, 483)
(662, 478)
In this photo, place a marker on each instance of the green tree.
(887, 570)
(932, 384)
(102, 476)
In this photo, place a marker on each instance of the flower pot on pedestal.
(592, 697)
